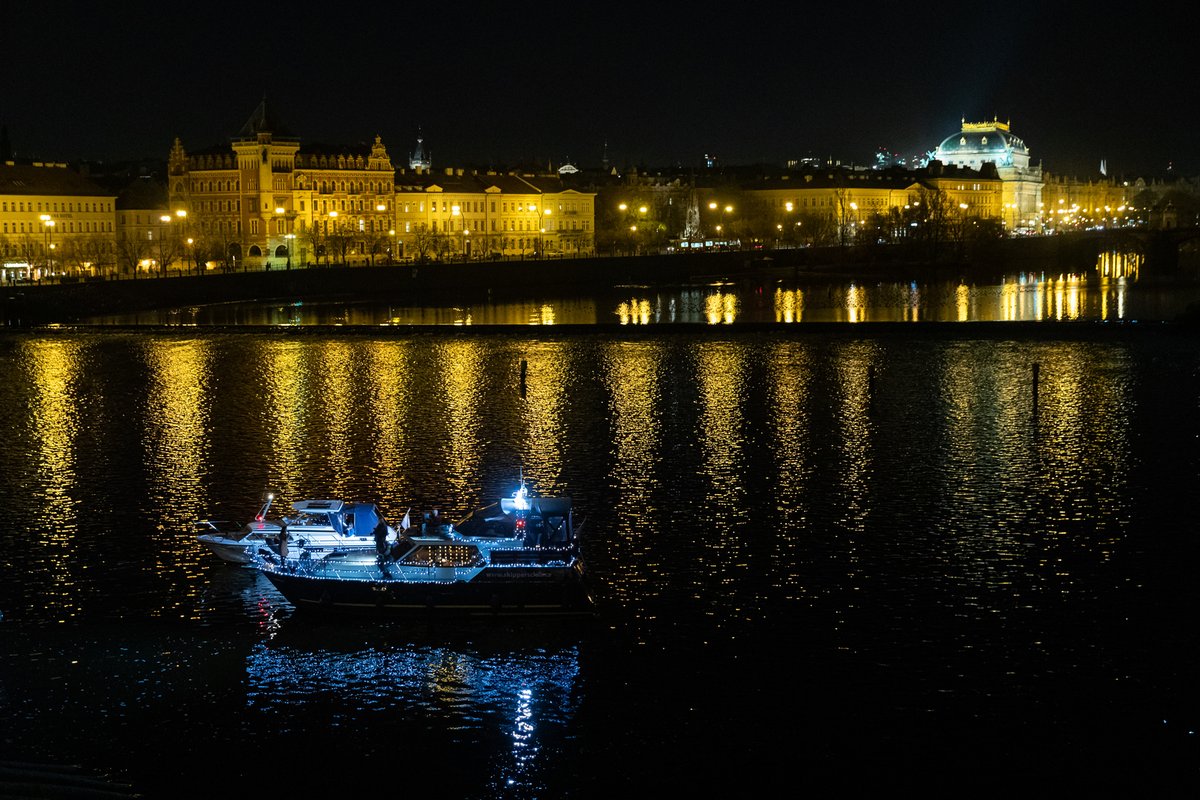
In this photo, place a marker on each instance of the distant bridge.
(1160, 249)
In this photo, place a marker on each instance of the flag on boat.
(406, 523)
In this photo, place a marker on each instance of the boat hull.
(494, 591)
(232, 550)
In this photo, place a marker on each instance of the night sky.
(552, 82)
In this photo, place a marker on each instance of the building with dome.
(980, 143)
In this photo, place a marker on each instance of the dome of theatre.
(980, 142)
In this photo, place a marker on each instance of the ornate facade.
(266, 200)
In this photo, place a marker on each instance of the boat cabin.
(344, 519)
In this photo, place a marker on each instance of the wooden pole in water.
(1036, 368)
(523, 367)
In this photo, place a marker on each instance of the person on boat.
(283, 548)
(381, 532)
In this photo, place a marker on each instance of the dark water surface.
(844, 558)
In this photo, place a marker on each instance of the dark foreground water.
(834, 561)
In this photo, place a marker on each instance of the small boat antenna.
(266, 506)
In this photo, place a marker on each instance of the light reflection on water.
(894, 503)
(1109, 292)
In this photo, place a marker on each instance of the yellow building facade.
(54, 222)
(267, 201)
(1068, 203)
(492, 216)
(849, 200)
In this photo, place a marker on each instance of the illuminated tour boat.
(519, 555)
(316, 526)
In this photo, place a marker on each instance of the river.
(865, 555)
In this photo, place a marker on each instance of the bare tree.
(132, 250)
(423, 241)
(339, 239)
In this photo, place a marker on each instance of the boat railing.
(222, 526)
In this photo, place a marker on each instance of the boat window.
(443, 555)
(302, 518)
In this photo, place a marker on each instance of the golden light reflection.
(853, 365)
(720, 376)
(912, 311)
(390, 406)
(984, 423)
(543, 408)
(1083, 427)
(1071, 458)
(632, 381)
(721, 308)
(53, 368)
(285, 379)
(1117, 264)
(789, 305)
(176, 450)
(856, 304)
(1010, 298)
(790, 388)
(962, 303)
(1066, 293)
(634, 312)
(339, 380)
(460, 365)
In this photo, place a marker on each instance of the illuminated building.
(148, 234)
(264, 200)
(1069, 203)
(53, 221)
(981, 143)
(490, 215)
(832, 204)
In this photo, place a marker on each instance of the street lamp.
(458, 211)
(163, 255)
(181, 217)
(726, 211)
(48, 244)
(332, 224)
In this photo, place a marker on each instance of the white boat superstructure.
(317, 526)
(328, 525)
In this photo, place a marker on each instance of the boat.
(518, 555)
(316, 526)
(234, 541)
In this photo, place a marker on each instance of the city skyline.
(658, 87)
